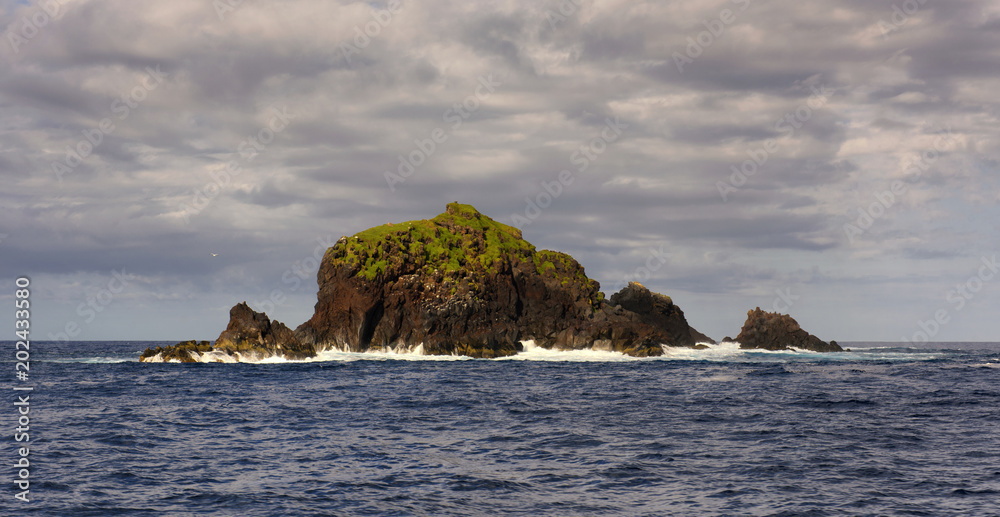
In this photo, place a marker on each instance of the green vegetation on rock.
(564, 267)
(460, 245)
(461, 238)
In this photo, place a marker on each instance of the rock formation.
(184, 352)
(658, 311)
(460, 283)
(464, 283)
(773, 331)
(253, 333)
(249, 335)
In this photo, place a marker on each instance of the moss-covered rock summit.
(460, 243)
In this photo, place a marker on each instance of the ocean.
(881, 430)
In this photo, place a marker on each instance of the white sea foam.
(158, 358)
(215, 357)
(728, 351)
(725, 351)
(94, 360)
(398, 353)
(720, 352)
(533, 352)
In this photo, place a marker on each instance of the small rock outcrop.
(773, 331)
(249, 335)
(659, 311)
(253, 334)
(184, 352)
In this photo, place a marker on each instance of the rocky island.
(772, 331)
(460, 284)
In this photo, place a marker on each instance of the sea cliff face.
(460, 283)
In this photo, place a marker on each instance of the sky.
(836, 161)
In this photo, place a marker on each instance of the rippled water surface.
(877, 431)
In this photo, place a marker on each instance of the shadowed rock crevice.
(372, 318)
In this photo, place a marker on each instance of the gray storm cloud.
(144, 137)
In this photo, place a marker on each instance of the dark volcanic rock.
(773, 331)
(251, 334)
(462, 283)
(660, 312)
(179, 352)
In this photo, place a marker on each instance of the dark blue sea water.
(887, 431)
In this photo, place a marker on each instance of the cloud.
(565, 69)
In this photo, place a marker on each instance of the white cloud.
(122, 205)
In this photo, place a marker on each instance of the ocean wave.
(728, 351)
(719, 352)
(533, 352)
(504, 437)
(93, 360)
